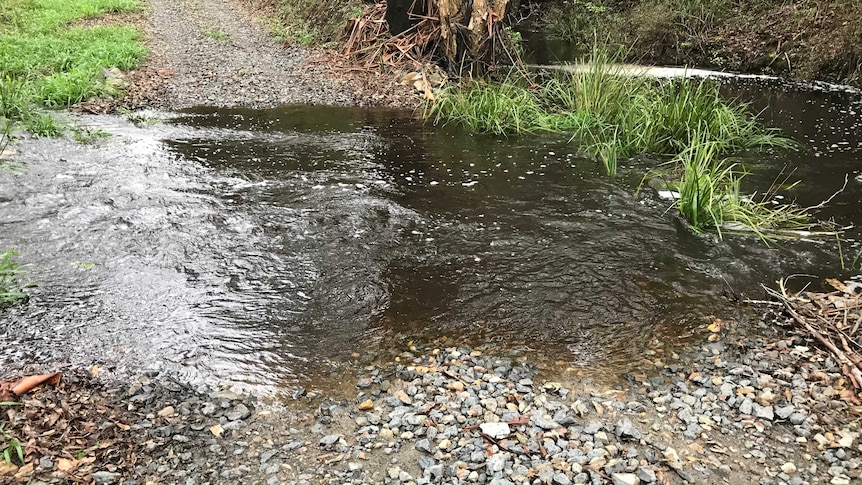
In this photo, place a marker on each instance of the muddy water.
(262, 248)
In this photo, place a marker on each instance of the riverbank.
(734, 410)
(803, 40)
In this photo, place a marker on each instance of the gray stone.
(545, 423)
(763, 412)
(104, 477)
(746, 406)
(797, 419)
(784, 412)
(646, 475)
(560, 478)
(625, 430)
(495, 462)
(329, 439)
(241, 411)
(424, 445)
(545, 472)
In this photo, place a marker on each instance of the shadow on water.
(262, 247)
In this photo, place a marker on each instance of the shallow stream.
(262, 248)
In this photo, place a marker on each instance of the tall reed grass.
(610, 115)
(710, 195)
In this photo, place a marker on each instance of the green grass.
(312, 22)
(710, 196)
(46, 61)
(609, 116)
(11, 290)
(216, 34)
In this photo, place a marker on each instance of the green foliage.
(11, 291)
(577, 21)
(42, 124)
(88, 136)
(610, 115)
(12, 447)
(710, 195)
(47, 62)
(216, 34)
(313, 22)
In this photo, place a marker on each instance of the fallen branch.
(824, 317)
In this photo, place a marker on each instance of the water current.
(259, 248)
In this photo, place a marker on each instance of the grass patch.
(45, 62)
(11, 290)
(89, 136)
(610, 116)
(216, 34)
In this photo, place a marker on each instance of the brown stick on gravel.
(847, 358)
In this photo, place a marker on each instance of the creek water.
(260, 248)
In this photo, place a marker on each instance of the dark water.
(260, 248)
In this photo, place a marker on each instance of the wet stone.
(241, 411)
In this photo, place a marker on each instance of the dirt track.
(215, 53)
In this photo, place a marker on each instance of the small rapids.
(260, 248)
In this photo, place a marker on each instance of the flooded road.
(262, 248)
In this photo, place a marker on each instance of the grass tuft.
(710, 196)
(11, 291)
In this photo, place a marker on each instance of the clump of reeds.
(609, 115)
(710, 197)
(612, 116)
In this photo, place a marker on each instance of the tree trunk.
(470, 30)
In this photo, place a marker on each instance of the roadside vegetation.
(47, 61)
(312, 22)
(611, 116)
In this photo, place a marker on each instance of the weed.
(11, 291)
(42, 124)
(216, 34)
(15, 97)
(313, 22)
(88, 136)
(138, 118)
(710, 196)
(12, 448)
(578, 21)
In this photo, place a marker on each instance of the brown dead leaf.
(66, 465)
(7, 468)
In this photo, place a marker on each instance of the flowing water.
(262, 248)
